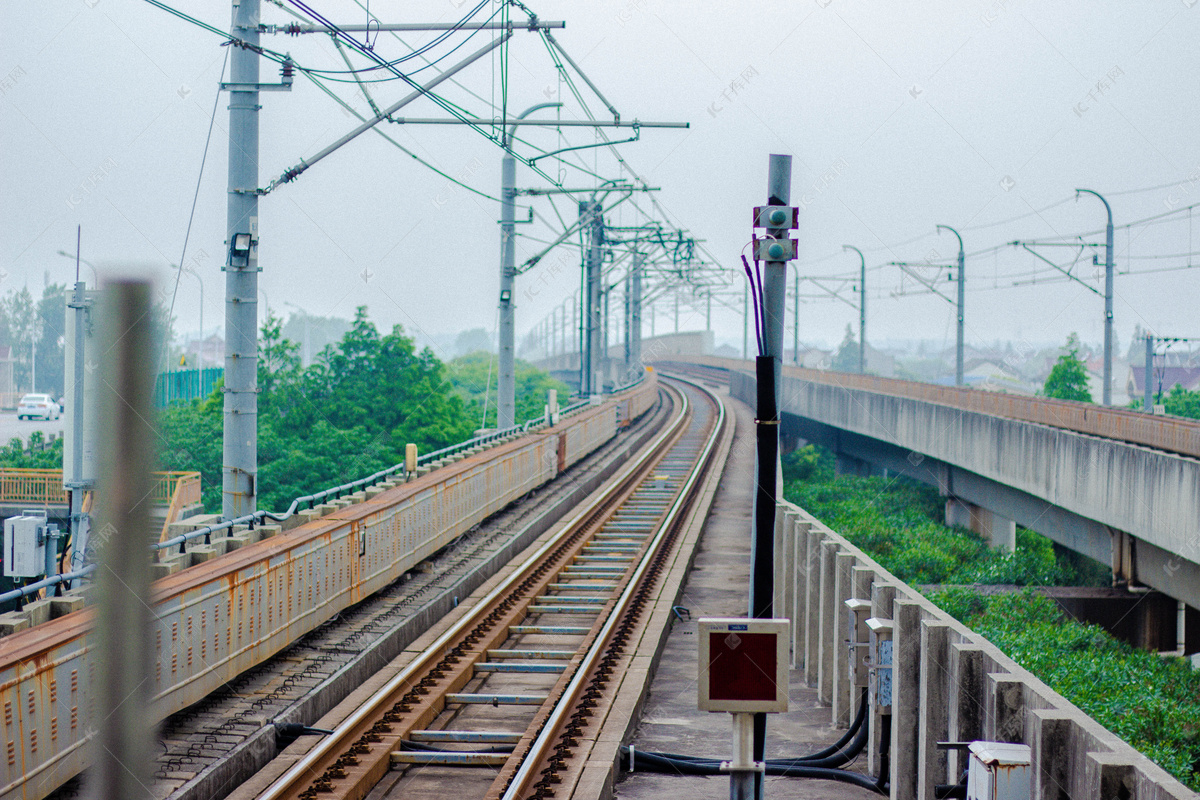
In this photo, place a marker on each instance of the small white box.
(998, 771)
(744, 665)
(24, 546)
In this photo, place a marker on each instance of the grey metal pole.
(506, 404)
(1148, 390)
(590, 209)
(862, 309)
(767, 368)
(677, 309)
(708, 311)
(1106, 393)
(80, 307)
(122, 689)
(240, 445)
(796, 319)
(746, 321)
(959, 380)
(635, 311)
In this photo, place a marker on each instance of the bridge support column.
(998, 530)
(849, 465)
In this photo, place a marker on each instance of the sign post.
(744, 671)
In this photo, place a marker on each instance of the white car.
(37, 405)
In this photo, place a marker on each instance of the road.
(11, 427)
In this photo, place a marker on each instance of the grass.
(1151, 702)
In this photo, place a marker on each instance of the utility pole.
(796, 319)
(506, 404)
(776, 249)
(240, 445)
(1147, 391)
(635, 311)
(746, 322)
(962, 300)
(1108, 298)
(592, 221)
(862, 309)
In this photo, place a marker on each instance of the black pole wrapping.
(762, 547)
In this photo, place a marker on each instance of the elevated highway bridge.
(1116, 485)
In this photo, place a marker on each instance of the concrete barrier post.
(966, 703)
(934, 712)
(906, 699)
(826, 621)
(1004, 708)
(1110, 776)
(1053, 757)
(799, 607)
(843, 591)
(812, 613)
(882, 597)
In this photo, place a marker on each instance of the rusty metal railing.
(37, 487)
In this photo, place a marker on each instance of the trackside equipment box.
(743, 665)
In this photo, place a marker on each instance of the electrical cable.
(192, 214)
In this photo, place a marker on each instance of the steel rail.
(313, 764)
(537, 754)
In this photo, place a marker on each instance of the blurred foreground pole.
(122, 688)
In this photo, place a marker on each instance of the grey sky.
(900, 117)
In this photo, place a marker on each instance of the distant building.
(1167, 377)
(208, 352)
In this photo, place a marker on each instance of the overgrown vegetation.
(1150, 701)
(1179, 402)
(347, 415)
(898, 523)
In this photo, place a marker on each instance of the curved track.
(515, 684)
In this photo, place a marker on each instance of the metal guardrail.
(1172, 434)
(173, 478)
(32, 486)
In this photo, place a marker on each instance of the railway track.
(212, 746)
(506, 702)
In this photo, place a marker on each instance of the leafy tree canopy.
(846, 358)
(1068, 377)
(474, 377)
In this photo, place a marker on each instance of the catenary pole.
(1106, 393)
(959, 379)
(240, 445)
(862, 309)
(1147, 390)
(506, 385)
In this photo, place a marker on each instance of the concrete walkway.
(717, 587)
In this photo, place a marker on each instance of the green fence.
(185, 384)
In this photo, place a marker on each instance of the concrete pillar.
(935, 712)
(882, 597)
(999, 531)
(825, 643)
(862, 583)
(906, 700)
(1110, 776)
(849, 465)
(843, 591)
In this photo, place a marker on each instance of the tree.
(1068, 378)
(846, 358)
(474, 376)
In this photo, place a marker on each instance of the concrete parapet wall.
(949, 682)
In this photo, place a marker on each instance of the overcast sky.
(900, 116)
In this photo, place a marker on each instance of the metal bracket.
(775, 249)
